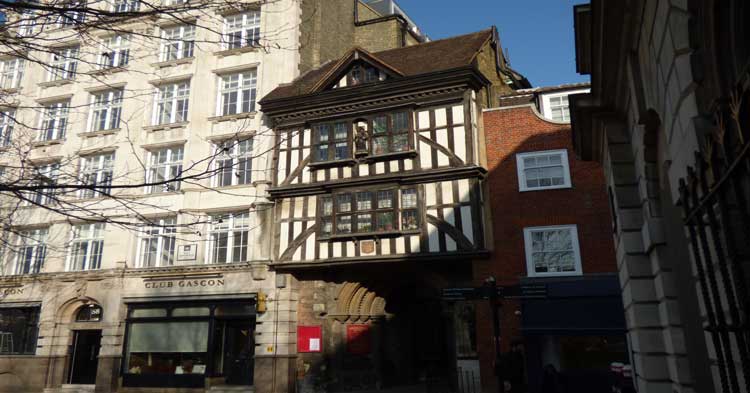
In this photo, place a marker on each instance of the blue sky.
(538, 34)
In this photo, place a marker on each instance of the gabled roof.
(434, 56)
(342, 65)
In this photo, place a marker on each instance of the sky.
(537, 34)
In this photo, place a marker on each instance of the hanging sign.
(309, 339)
(358, 339)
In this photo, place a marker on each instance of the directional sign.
(524, 291)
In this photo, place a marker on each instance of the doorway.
(84, 357)
(239, 352)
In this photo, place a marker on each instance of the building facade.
(667, 119)
(167, 284)
(379, 194)
(551, 230)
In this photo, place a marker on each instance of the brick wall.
(517, 130)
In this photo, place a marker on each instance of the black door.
(85, 356)
(239, 349)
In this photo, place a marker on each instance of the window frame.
(99, 229)
(51, 171)
(391, 132)
(165, 234)
(252, 89)
(528, 250)
(397, 208)
(230, 230)
(14, 73)
(111, 106)
(174, 100)
(65, 20)
(247, 25)
(7, 122)
(521, 174)
(116, 49)
(130, 6)
(31, 334)
(332, 141)
(220, 171)
(102, 171)
(56, 112)
(63, 64)
(170, 163)
(184, 40)
(36, 240)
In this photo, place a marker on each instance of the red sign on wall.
(309, 339)
(358, 339)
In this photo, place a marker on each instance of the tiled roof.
(433, 56)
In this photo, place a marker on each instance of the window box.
(552, 251)
(543, 170)
(391, 156)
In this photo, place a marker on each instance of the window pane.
(400, 122)
(18, 330)
(342, 151)
(400, 142)
(409, 198)
(385, 199)
(344, 202)
(364, 222)
(344, 224)
(364, 201)
(385, 221)
(340, 131)
(380, 125)
(167, 347)
(326, 226)
(326, 204)
(380, 145)
(409, 220)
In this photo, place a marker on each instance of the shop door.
(239, 350)
(85, 356)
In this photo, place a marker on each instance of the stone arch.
(355, 302)
(67, 311)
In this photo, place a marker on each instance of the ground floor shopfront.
(183, 329)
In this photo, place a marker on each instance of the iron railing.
(714, 199)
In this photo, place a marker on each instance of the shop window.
(552, 251)
(148, 313)
(167, 347)
(543, 170)
(89, 313)
(18, 330)
(369, 212)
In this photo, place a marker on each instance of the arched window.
(89, 313)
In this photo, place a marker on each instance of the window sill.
(237, 51)
(369, 235)
(232, 186)
(168, 126)
(390, 156)
(172, 63)
(545, 188)
(11, 91)
(163, 193)
(91, 134)
(236, 116)
(47, 143)
(109, 70)
(61, 82)
(335, 163)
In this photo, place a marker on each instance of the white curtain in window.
(168, 337)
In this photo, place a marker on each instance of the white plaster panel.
(433, 242)
(295, 139)
(333, 173)
(424, 120)
(425, 155)
(379, 168)
(458, 114)
(385, 246)
(285, 208)
(408, 165)
(323, 252)
(299, 204)
(450, 244)
(297, 254)
(430, 193)
(283, 237)
(306, 175)
(349, 249)
(306, 137)
(336, 249)
(447, 191)
(441, 117)
(310, 247)
(394, 166)
(311, 204)
(442, 159)
(448, 216)
(400, 245)
(414, 244)
(294, 160)
(347, 172)
(297, 229)
(459, 142)
(463, 190)
(364, 169)
(466, 223)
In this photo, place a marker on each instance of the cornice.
(333, 263)
(413, 177)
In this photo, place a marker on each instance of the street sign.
(524, 291)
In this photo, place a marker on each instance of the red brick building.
(551, 227)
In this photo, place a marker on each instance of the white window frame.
(521, 169)
(172, 167)
(248, 29)
(11, 73)
(99, 170)
(114, 52)
(36, 240)
(7, 121)
(55, 113)
(63, 64)
(164, 233)
(181, 38)
(26, 23)
(528, 246)
(172, 95)
(106, 105)
(49, 172)
(125, 5)
(93, 236)
(236, 150)
(72, 18)
(546, 106)
(240, 84)
(230, 230)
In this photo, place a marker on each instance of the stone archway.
(357, 303)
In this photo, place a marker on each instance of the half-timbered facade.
(378, 185)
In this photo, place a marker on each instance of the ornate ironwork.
(715, 198)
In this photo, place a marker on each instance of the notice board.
(358, 339)
(309, 338)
